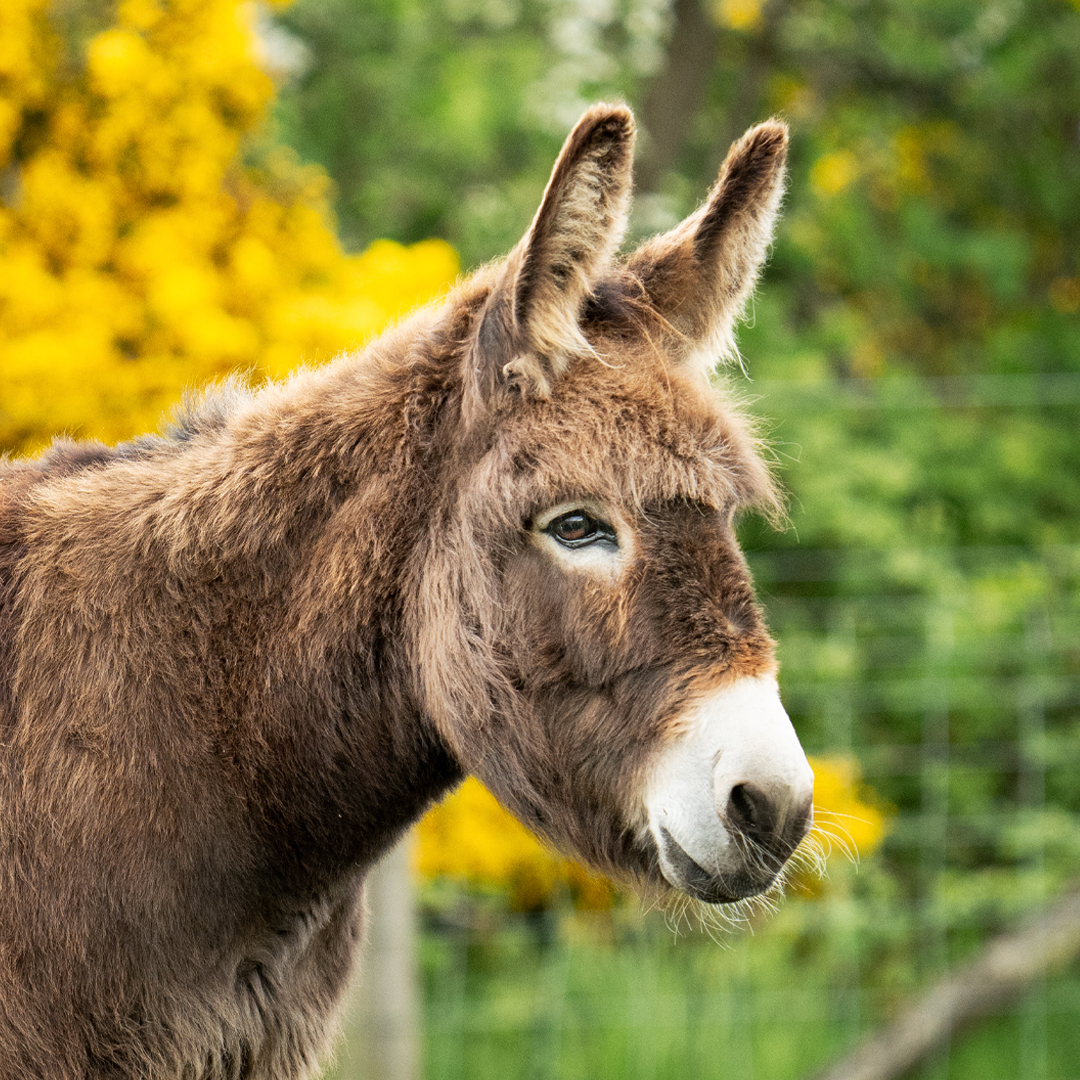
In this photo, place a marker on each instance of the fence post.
(382, 1025)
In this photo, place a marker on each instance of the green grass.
(522, 1003)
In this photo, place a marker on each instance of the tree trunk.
(984, 985)
(679, 91)
(676, 92)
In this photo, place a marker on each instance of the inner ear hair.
(576, 231)
(742, 207)
(529, 329)
(700, 275)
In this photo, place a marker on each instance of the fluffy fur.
(238, 659)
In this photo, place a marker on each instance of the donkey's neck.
(269, 549)
(342, 483)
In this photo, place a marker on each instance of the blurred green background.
(913, 351)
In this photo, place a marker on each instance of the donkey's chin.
(690, 877)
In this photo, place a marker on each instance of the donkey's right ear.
(528, 332)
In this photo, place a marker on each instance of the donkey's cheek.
(729, 798)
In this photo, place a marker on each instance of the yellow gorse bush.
(470, 838)
(848, 812)
(144, 245)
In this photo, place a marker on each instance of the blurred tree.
(149, 239)
(443, 117)
(936, 155)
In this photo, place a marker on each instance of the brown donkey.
(238, 659)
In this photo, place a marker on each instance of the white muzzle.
(731, 796)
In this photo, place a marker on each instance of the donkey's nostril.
(751, 811)
(771, 815)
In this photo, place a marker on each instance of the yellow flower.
(845, 807)
(30, 296)
(742, 15)
(118, 61)
(142, 255)
(141, 15)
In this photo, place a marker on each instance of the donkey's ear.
(529, 330)
(700, 275)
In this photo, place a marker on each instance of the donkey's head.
(589, 641)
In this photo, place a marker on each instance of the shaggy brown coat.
(238, 659)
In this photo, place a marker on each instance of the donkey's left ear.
(700, 275)
(529, 331)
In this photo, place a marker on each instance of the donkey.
(238, 659)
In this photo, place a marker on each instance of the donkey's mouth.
(692, 878)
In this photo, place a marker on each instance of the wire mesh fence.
(961, 699)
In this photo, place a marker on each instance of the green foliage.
(643, 1003)
(443, 117)
(406, 106)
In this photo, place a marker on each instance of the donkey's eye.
(578, 529)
